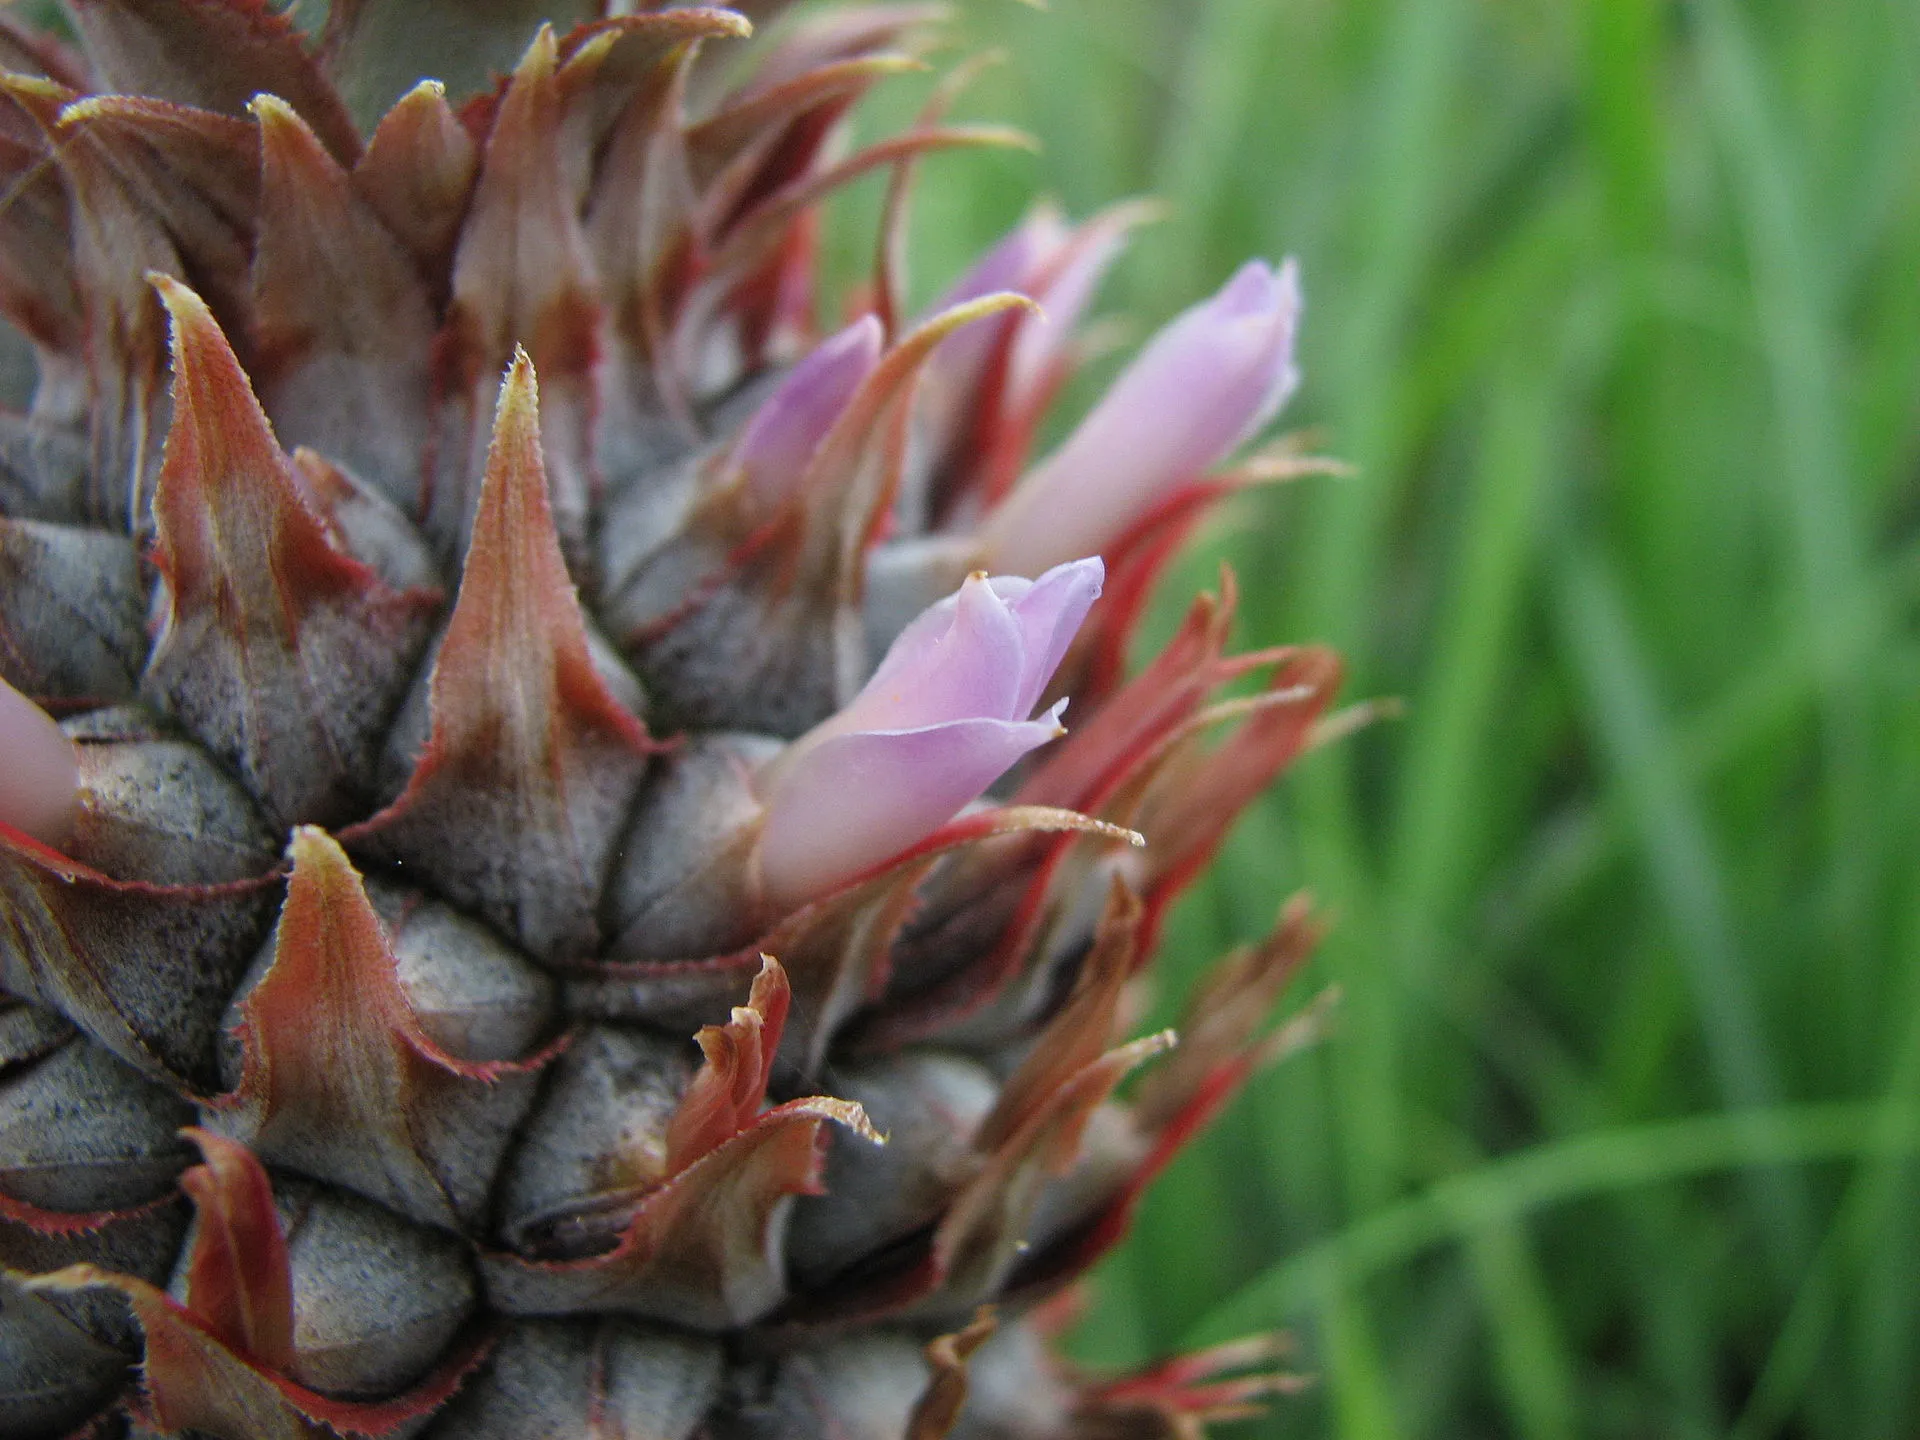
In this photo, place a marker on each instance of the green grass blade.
(1603, 1162)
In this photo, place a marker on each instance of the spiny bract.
(443, 756)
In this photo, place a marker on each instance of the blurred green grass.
(1615, 305)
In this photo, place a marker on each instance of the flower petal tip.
(40, 783)
(943, 717)
(1198, 390)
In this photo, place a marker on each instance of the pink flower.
(1056, 265)
(1199, 389)
(1019, 263)
(777, 443)
(943, 717)
(39, 779)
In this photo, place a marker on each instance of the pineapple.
(545, 889)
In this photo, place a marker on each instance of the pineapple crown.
(437, 750)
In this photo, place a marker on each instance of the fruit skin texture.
(559, 901)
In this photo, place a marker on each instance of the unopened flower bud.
(943, 717)
(1058, 266)
(1019, 263)
(1200, 388)
(929, 1105)
(476, 997)
(774, 448)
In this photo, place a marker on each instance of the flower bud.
(860, 1387)
(39, 783)
(1019, 263)
(943, 717)
(774, 448)
(1057, 265)
(1201, 386)
(476, 997)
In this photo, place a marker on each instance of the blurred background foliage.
(1615, 307)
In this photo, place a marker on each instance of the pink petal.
(853, 800)
(1063, 299)
(974, 665)
(1015, 263)
(1046, 613)
(1201, 386)
(1050, 611)
(39, 778)
(942, 718)
(788, 427)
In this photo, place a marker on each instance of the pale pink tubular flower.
(1074, 270)
(1200, 388)
(773, 451)
(944, 716)
(39, 780)
(1052, 263)
(1015, 264)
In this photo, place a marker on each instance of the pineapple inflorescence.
(560, 901)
